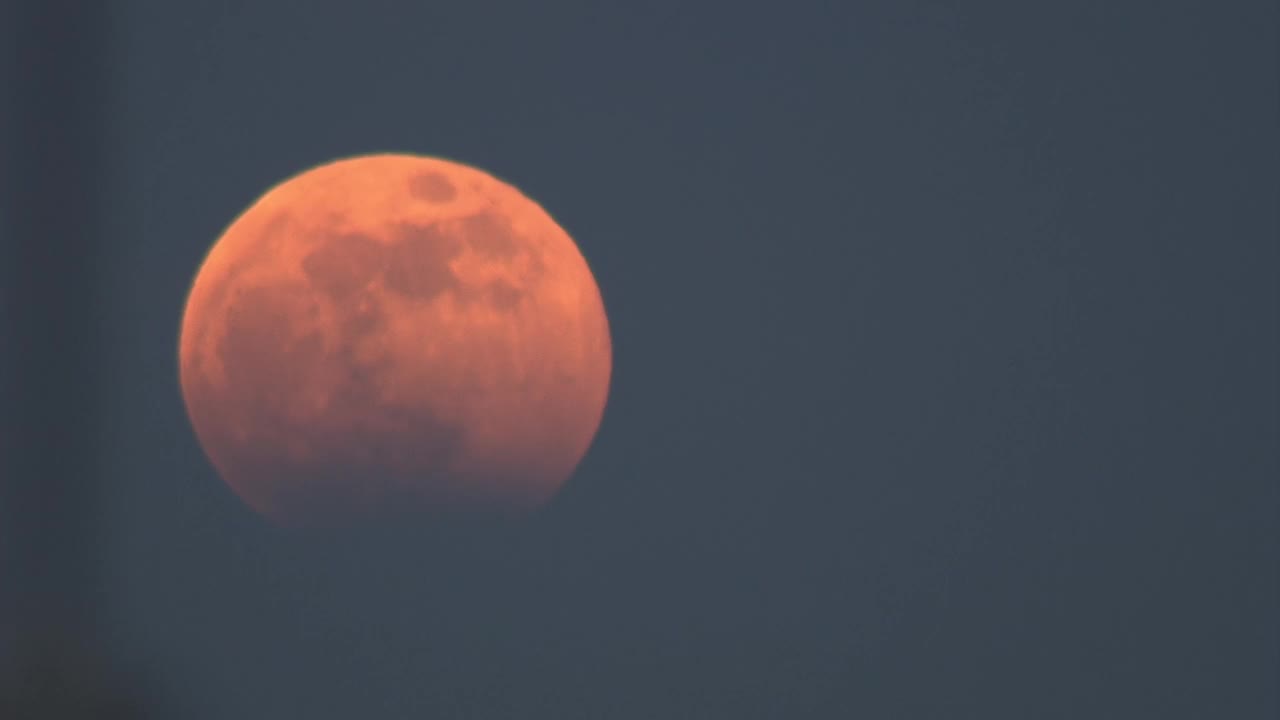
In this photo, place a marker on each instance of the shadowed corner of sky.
(54, 171)
(55, 680)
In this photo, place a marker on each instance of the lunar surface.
(394, 334)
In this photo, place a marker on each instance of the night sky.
(945, 361)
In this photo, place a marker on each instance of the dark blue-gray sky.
(945, 361)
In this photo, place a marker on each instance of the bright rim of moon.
(393, 334)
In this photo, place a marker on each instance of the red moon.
(393, 334)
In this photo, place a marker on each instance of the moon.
(394, 334)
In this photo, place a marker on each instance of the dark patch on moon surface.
(504, 296)
(418, 262)
(361, 316)
(432, 187)
(343, 264)
(256, 253)
(357, 390)
(265, 359)
(490, 235)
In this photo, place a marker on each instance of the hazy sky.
(945, 345)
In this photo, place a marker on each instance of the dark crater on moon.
(432, 187)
